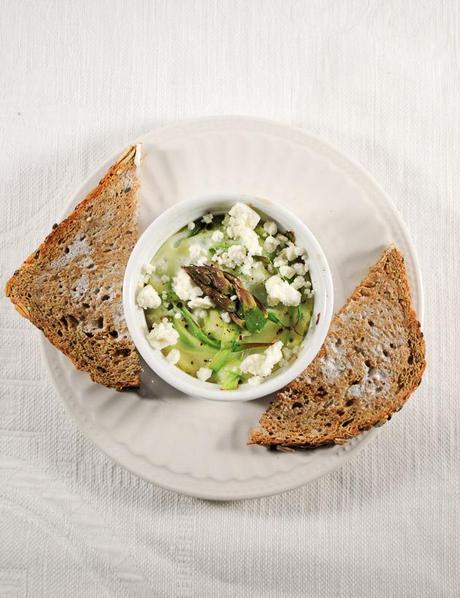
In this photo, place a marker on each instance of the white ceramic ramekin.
(170, 222)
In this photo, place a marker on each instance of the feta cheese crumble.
(242, 223)
(204, 374)
(248, 266)
(236, 261)
(184, 287)
(243, 215)
(292, 252)
(270, 228)
(173, 356)
(148, 269)
(287, 271)
(197, 255)
(270, 244)
(298, 282)
(280, 291)
(225, 317)
(258, 272)
(148, 298)
(300, 268)
(235, 256)
(161, 266)
(259, 364)
(217, 236)
(200, 302)
(279, 261)
(163, 334)
(199, 314)
(250, 240)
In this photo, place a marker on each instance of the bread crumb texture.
(71, 286)
(371, 361)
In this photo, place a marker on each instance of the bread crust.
(44, 289)
(371, 362)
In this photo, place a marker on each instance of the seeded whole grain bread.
(71, 286)
(371, 361)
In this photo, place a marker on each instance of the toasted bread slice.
(372, 360)
(71, 286)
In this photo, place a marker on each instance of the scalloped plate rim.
(197, 486)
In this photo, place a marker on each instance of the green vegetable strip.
(196, 330)
(299, 317)
(274, 318)
(222, 245)
(199, 226)
(299, 313)
(231, 381)
(237, 347)
(219, 360)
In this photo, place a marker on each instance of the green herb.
(254, 319)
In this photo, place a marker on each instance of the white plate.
(199, 447)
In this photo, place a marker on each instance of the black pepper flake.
(318, 318)
(55, 225)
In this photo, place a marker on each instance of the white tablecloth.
(380, 80)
